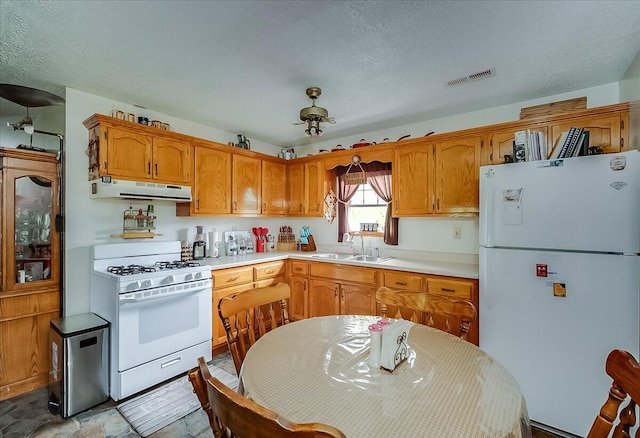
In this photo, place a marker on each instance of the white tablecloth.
(315, 370)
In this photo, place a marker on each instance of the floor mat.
(155, 409)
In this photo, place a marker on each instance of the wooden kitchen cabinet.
(306, 188)
(29, 268)
(274, 184)
(126, 150)
(609, 131)
(171, 161)
(336, 289)
(410, 176)
(299, 283)
(245, 185)
(230, 281)
(212, 182)
(456, 174)
(500, 143)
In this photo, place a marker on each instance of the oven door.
(155, 323)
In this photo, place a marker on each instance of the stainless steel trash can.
(79, 373)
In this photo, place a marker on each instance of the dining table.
(317, 370)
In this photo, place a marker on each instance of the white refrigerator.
(560, 278)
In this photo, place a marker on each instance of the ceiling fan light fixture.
(313, 128)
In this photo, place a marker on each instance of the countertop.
(451, 265)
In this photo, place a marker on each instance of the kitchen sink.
(368, 258)
(332, 256)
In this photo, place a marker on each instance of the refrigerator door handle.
(488, 216)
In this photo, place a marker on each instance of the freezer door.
(585, 204)
(554, 346)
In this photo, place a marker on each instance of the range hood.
(108, 187)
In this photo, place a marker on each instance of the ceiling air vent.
(472, 77)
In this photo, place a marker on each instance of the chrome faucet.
(361, 241)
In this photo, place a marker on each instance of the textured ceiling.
(243, 66)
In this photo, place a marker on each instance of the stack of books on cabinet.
(573, 143)
(529, 146)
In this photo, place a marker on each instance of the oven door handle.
(126, 300)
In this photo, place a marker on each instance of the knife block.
(308, 247)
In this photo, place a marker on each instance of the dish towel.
(331, 202)
(394, 344)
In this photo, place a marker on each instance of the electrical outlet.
(457, 232)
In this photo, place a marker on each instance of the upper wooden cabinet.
(607, 131)
(130, 151)
(456, 175)
(212, 182)
(306, 182)
(274, 184)
(245, 185)
(410, 180)
(171, 161)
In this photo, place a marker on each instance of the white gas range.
(159, 309)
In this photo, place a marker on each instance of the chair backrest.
(248, 315)
(229, 411)
(439, 312)
(624, 369)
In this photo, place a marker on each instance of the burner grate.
(130, 269)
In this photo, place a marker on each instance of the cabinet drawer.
(269, 270)
(450, 288)
(402, 280)
(271, 281)
(343, 273)
(232, 276)
(299, 268)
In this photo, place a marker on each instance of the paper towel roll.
(375, 331)
(213, 238)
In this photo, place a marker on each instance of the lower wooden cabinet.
(325, 288)
(230, 281)
(25, 351)
(336, 289)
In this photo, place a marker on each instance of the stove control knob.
(134, 285)
(147, 283)
(169, 280)
(188, 277)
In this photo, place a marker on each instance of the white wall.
(630, 83)
(50, 119)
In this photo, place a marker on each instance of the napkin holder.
(310, 246)
(394, 348)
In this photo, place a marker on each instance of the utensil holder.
(308, 247)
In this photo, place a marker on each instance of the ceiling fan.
(30, 98)
(314, 115)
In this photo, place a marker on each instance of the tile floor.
(27, 416)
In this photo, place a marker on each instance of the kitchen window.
(357, 203)
(365, 209)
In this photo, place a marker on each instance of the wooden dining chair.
(438, 311)
(624, 369)
(248, 315)
(232, 415)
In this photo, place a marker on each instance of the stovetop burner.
(176, 264)
(139, 269)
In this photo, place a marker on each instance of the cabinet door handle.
(105, 165)
(156, 166)
(235, 205)
(305, 285)
(401, 283)
(149, 168)
(300, 208)
(264, 206)
(198, 204)
(445, 289)
(318, 207)
(232, 279)
(270, 271)
(335, 292)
